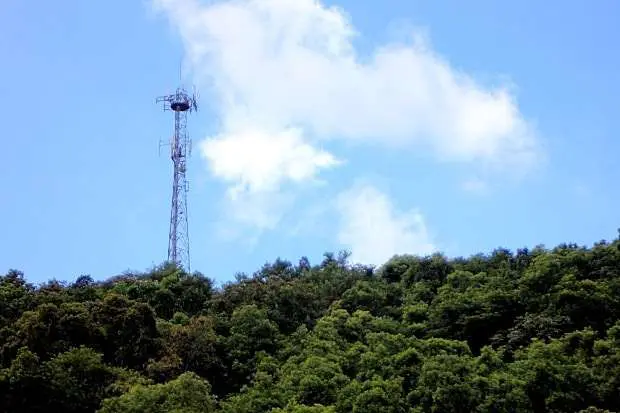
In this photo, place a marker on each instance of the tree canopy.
(527, 331)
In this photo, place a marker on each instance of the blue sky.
(380, 127)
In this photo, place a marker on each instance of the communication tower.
(180, 103)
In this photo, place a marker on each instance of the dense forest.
(527, 331)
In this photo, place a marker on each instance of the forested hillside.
(527, 331)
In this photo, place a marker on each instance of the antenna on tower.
(181, 71)
(181, 103)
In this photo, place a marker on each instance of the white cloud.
(475, 185)
(256, 164)
(256, 161)
(284, 75)
(374, 231)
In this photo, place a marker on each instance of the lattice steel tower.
(180, 103)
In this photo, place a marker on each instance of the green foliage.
(534, 331)
(188, 393)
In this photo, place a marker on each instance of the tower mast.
(180, 103)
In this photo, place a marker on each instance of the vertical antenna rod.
(180, 148)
